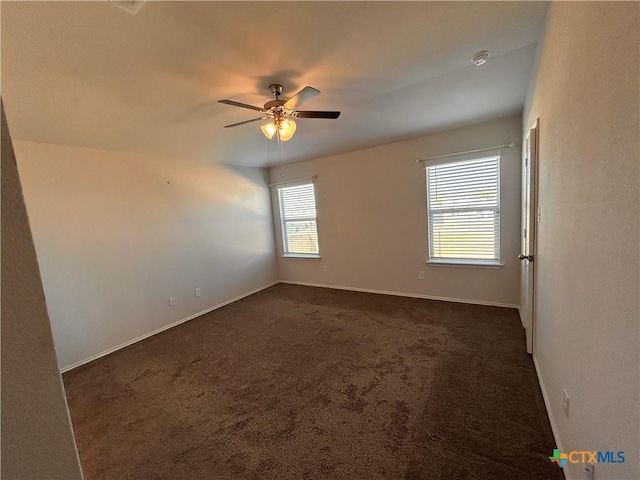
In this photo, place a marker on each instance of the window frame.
(283, 221)
(494, 263)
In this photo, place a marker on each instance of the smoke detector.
(480, 58)
(131, 6)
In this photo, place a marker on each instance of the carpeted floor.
(308, 383)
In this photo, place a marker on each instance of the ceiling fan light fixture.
(287, 129)
(269, 130)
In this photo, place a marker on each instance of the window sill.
(309, 256)
(463, 264)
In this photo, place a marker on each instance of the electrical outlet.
(325, 269)
(591, 471)
(565, 402)
(421, 275)
(197, 292)
(172, 301)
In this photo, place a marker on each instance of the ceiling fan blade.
(246, 121)
(238, 104)
(311, 114)
(304, 95)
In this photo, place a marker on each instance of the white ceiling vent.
(131, 6)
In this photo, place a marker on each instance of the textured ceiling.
(89, 74)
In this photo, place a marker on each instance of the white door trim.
(530, 220)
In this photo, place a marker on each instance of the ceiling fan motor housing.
(274, 103)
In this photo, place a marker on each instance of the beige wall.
(371, 207)
(117, 234)
(588, 287)
(37, 440)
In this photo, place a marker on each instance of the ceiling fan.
(282, 112)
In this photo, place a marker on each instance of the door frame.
(529, 240)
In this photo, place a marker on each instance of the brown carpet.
(308, 383)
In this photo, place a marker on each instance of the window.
(463, 205)
(298, 217)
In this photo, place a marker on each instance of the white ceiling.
(89, 74)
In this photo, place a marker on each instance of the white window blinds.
(298, 217)
(463, 204)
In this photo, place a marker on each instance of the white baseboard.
(402, 294)
(162, 329)
(554, 428)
